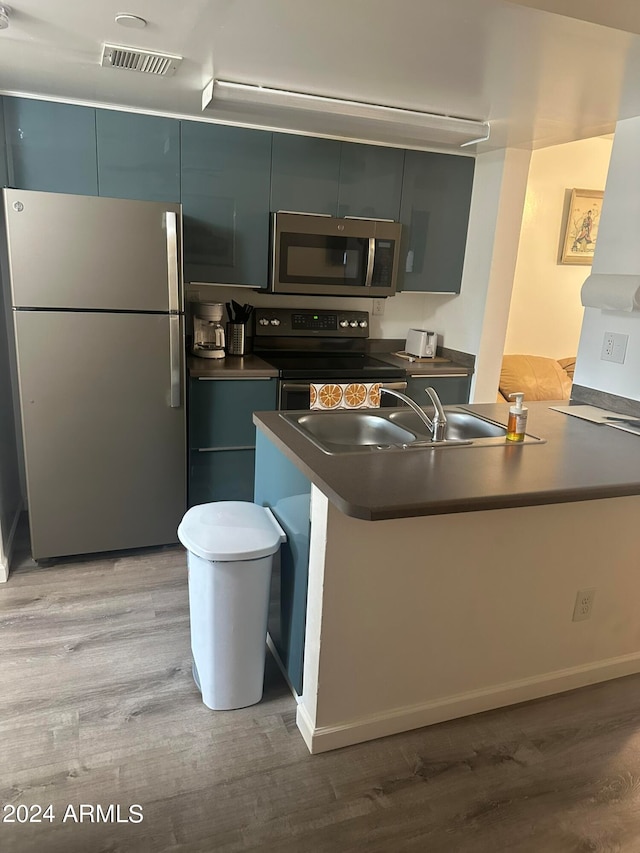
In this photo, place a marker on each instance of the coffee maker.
(208, 331)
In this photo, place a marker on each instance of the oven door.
(296, 395)
(326, 256)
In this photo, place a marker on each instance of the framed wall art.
(581, 227)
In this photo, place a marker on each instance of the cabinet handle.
(218, 449)
(234, 378)
(439, 376)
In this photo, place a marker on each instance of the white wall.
(617, 252)
(400, 311)
(546, 315)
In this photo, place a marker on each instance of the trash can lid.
(230, 530)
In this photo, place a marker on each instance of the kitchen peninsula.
(443, 582)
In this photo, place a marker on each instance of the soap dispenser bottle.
(517, 425)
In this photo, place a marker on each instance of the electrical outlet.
(614, 347)
(378, 307)
(584, 604)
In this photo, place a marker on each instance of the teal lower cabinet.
(220, 475)
(282, 487)
(450, 389)
(222, 436)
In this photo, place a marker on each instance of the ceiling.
(539, 78)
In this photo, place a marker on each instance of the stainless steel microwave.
(327, 256)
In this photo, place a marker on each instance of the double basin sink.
(364, 431)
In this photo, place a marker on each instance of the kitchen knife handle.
(175, 350)
(173, 275)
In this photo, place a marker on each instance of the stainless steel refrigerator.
(97, 296)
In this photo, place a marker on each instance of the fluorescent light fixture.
(280, 104)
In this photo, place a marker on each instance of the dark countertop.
(579, 461)
(234, 366)
(432, 367)
(230, 367)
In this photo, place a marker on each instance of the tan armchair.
(540, 378)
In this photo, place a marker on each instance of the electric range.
(317, 345)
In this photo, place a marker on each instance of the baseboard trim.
(324, 738)
(6, 552)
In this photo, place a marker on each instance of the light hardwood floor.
(97, 705)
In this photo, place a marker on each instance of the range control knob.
(353, 323)
(275, 322)
(363, 324)
(263, 321)
(344, 324)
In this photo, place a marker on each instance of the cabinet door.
(304, 174)
(225, 198)
(138, 156)
(3, 148)
(221, 410)
(370, 181)
(450, 389)
(221, 475)
(51, 147)
(436, 195)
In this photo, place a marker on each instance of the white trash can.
(230, 547)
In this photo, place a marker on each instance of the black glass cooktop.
(352, 367)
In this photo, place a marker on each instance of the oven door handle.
(297, 386)
(370, 261)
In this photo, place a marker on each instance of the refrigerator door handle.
(175, 350)
(173, 277)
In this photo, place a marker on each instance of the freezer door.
(84, 252)
(105, 443)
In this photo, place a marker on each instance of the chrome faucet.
(437, 427)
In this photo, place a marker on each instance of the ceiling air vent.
(134, 59)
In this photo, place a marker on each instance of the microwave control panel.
(302, 322)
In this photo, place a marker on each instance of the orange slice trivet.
(374, 394)
(330, 396)
(313, 396)
(355, 395)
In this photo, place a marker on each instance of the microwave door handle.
(370, 261)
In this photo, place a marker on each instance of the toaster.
(421, 343)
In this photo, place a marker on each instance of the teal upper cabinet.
(3, 149)
(436, 195)
(225, 198)
(138, 156)
(370, 181)
(304, 174)
(310, 175)
(51, 147)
